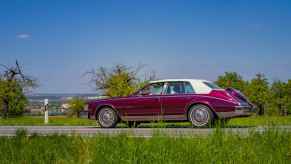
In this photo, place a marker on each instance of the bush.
(76, 105)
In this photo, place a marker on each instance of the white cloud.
(23, 35)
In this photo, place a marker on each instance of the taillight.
(222, 94)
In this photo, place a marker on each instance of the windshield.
(211, 85)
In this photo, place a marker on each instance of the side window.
(188, 88)
(152, 89)
(175, 88)
(179, 88)
(211, 85)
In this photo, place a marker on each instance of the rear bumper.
(240, 111)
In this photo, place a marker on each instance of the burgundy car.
(198, 101)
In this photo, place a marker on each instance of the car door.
(175, 99)
(145, 104)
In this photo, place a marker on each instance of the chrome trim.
(249, 108)
(240, 111)
(154, 118)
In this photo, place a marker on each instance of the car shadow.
(191, 127)
(173, 125)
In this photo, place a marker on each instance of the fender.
(203, 102)
(99, 106)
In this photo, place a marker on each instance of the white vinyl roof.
(197, 84)
(170, 80)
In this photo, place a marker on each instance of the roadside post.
(45, 111)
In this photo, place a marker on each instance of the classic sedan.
(199, 101)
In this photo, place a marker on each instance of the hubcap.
(199, 116)
(106, 117)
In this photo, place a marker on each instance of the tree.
(231, 80)
(12, 97)
(76, 105)
(119, 80)
(279, 96)
(258, 92)
(288, 96)
(13, 84)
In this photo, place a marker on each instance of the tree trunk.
(261, 110)
(281, 111)
(5, 109)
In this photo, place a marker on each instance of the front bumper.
(240, 111)
(91, 116)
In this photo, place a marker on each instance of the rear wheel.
(201, 116)
(107, 117)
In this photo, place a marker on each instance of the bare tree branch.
(16, 74)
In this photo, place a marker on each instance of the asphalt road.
(134, 132)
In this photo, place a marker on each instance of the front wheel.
(201, 116)
(107, 117)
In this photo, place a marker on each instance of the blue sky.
(57, 41)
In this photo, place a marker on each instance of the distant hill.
(39, 97)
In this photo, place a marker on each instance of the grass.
(63, 120)
(235, 122)
(261, 120)
(269, 147)
(53, 120)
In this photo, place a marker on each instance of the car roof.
(173, 80)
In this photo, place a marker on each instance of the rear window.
(211, 85)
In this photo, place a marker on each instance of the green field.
(62, 120)
(268, 147)
(260, 120)
(53, 120)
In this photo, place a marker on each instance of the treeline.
(269, 98)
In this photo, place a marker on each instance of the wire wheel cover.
(107, 117)
(199, 115)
